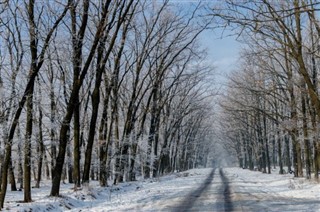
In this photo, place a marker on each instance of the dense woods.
(120, 90)
(101, 90)
(271, 109)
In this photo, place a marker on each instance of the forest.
(101, 90)
(271, 107)
(118, 90)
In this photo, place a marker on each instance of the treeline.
(101, 90)
(272, 105)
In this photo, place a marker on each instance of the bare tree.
(81, 73)
(35, 67)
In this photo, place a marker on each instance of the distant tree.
(282, 26)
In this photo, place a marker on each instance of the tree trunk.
(64, 130)
(117, 143)
(69, 163)
(76, 144)
(266, 140)
(103, 143)
(152, 133)
(261, 144)
(20, 168)
(12, 178)
(47, 166)
(27, 149)
(316, 144)
(305, 134)
(281, 171)
(316, 158)
(53, 127)
(95, 98)
(41, 148)
(288, 157)
(156, 145)
(274, 149)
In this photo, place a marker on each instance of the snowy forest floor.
(227, 189)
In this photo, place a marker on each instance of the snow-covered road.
(196, 190)
(212, 195)
(200, 198)
(227, 189)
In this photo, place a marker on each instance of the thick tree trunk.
(274, 150)
(12, 178)
(164, 157)
(266, 141)
(69, 164)
(95, 98)
(76, 144)
(103, 155)
(103, 144)
(1, 171)
(41, 150)
(117, 144)
(20, 159)
(288, 157)
(29, 102)
(4, 173)
(46, 162)
(316, 144)
(28, 149)
(261, 144)
(281, 171)
(156, 145)
(64, 130)
(316, 158)
(250, 154)
(153, 131)
(307, 156)
(280, 158)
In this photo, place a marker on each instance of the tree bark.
(12, 178)
(307, 156)
(76, 144)
(41, 148)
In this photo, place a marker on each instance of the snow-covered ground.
(239, 190)
(254, 191)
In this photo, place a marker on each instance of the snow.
(194, 189)
(255, 191)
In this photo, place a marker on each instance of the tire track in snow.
(228, 206)
(191, 199)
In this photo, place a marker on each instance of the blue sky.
(223, 51)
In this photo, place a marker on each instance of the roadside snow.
(254, 191)
(249, 191)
